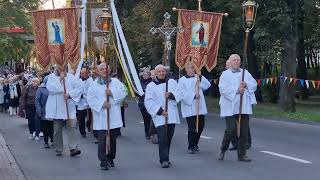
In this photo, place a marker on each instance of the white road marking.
(204, 137)
(141, 122)
(287, 157)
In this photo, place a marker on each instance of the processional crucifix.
(167, 31)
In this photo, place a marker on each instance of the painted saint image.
(201, 33)
(56, 31)
(57, 37)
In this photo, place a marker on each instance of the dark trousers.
(89, 120)
(47, 131)
(31, 116)
(231, 132)
(82, 114)
(164, 138)
(102, 136)
(193, 135)
(236, 139)
(38, 125)
(146, 121)
(122, 116)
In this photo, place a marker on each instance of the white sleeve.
(185, 95)
(204, 83)
(224, 87)
(95, 102)
(54, 85)
(119, 92)
(150, 101)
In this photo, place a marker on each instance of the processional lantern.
(250, 8)
(103, 21)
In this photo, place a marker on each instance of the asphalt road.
(281, 150)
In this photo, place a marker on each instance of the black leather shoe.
(233, 148)
(110, 163)
(104, 167)
(191, 151)
(244, 159)
(165, 164)
(221, 156)
(74, 152)
(196, 148)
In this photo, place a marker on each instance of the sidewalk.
(9, 169)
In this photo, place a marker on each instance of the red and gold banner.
(199, 40)
(56, 37)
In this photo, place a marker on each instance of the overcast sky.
(57, 4)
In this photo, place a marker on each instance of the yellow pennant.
(271, 79)
(313, 83)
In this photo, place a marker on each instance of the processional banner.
(56, 37)
(199, 40)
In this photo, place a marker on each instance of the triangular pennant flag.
(271, 79)
(295, 81)
(267, 80)
(263, 82)
(307, 83)
(259, 82)
(318, 85)
(275, 80)
(285, 78)
(314, 84)
(301, 82)
(290, 80)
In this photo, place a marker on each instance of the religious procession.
(95, 94)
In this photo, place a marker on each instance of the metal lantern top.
(250, 8)
(103, 21)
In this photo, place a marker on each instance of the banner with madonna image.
(199, 41)
(56, 37)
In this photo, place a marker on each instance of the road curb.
(12, 161)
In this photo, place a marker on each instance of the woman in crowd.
(41, 100)
(30, 96)
(1, 94)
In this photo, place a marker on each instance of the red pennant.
(259, 82)
(295, 81)
(318, 85)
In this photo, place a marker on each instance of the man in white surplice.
(155, 104)
(187, 90)
(82, 105)
(57, 111)
(231, 86)
(97, 100)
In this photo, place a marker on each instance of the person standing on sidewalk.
(60, 108)
(231, 87)
(30, 107)
(41, 100)
(97, 100)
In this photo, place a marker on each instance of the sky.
(57, 4)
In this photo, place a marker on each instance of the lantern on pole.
(249, 14)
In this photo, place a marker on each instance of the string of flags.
(315, 84)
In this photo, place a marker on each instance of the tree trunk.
(302, 68)
(288, 68)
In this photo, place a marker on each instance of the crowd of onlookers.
(23, 95)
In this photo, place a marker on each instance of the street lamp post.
(103, 22)
(249, 8)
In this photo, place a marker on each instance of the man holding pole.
(60, 107)
(107, 119)
(161, 103)
(190, 93)
(231, 87)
